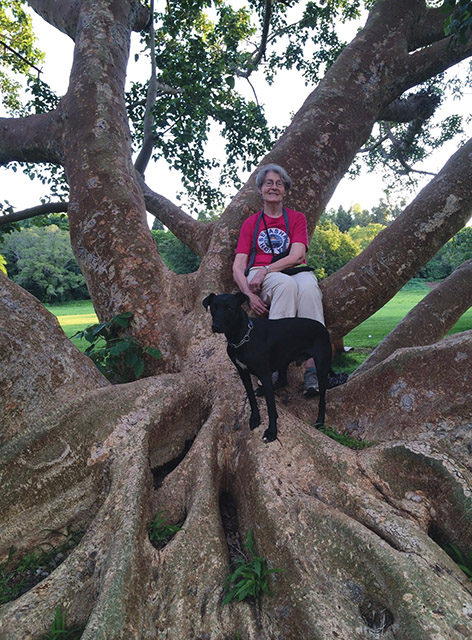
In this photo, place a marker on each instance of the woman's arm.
(239, 266)
(296, 256)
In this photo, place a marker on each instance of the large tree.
(357, 534)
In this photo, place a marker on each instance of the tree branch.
(141, 16)
(420, 105)
(255, 59)
(431, 319)
(42, 209)
(368, 281)
(436, 58)
(20, 57)
(429, 28)
(415, 109)
(400, 145)
(36, 138)
(194, 234)
(148, 139)
(64, 19)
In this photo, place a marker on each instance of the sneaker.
(275, 377)
(259, 391)
(310, 383)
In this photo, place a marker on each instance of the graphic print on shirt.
(278, 238)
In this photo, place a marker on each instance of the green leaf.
(120, 346)
(122, 319)
(153, 352)
(131, 358)
(138, 369)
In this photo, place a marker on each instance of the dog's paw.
(269, 436)
(254, 422)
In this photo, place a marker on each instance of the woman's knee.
(287, 284)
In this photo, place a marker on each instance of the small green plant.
(250, 577)
(19, 575)
(58, 630)
(119, 357)
(346, 441)
(160, 531)
(464, 562)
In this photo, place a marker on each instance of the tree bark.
(368, 281)
(341, 525)
(31, 139)
(431, 319)
(417, 392)
(44, 368)
(107, 216)
(358, 535)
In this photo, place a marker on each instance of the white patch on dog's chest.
(241, 364)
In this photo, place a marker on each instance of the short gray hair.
(277, 169)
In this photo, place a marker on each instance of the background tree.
(342, 219)
(363, 236)
(456, 251)
(330, 249)
(361, 530)
(175, 254)
(41, 261)
(19, 55)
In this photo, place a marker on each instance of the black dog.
(261, 346)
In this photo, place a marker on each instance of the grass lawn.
(74, 316)
(371, 332)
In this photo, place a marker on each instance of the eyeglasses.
(270, 183)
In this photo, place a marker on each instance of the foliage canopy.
(209, 60)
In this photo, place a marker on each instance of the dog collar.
(245, 338)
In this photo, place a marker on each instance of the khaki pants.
(291, 296)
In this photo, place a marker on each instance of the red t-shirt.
(278, 235)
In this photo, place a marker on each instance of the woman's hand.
(256, 282)
(256, 304)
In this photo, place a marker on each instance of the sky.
(280, 100)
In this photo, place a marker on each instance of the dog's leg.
(321, 406)
(281, 379)
(322, 358)
(270, 434)
(255, 419)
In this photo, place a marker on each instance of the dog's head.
(225, 310)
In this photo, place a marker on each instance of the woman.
(264, 236)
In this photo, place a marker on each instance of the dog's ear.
(207, 301)
(241, 298)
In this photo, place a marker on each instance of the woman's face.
(273, 188)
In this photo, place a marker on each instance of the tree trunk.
(358, 535)
(342, 525)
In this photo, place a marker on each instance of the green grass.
(160, 531)
(74, 316)
(59, 631)
(250, 578)
(20, 574)
(371, 332)
(345, 440)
